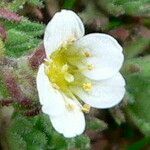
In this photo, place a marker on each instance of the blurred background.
(23, 125)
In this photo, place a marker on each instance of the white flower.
(79, 72)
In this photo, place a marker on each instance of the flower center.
(63, 71)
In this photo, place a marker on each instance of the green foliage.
(16, 141)
(38, 3)
(119, 7)
(3, 89)
(19, 43)
(118, 115)
(136, 47)
(138, 85)
(22, 37)
(80, 142)
(146, 22)
(140, 144)
(69, 4)
(114, 23)
(34, 29)
(2, 48)
(96, 124)
(16, 5)
(37, 133)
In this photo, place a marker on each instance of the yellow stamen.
(69, 41)
(86, 108)
(69, 77)
(90, 67)
(64, 68)
(87, 54)
(72, 39)
(55, 86)
(87, 86)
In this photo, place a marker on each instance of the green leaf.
(37, 133)
(139, 144)
(22, 37)
(36, 138)
(17, 5)
(21, 125)
(96, 124)
(16, 142)
(58, 141)
(43, 124)
(34, 29)
(2, 48)
(118, 115)
(136, 47)
(3, 89)
(120, 7)
(80, 142)
(38, 3)
(18, 43)
(138, 85)
(69, 4)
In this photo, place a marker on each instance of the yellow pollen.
(72, 39)
(90, 67)
(55, 86)
(87, 86)
(64, 68)
(87, 54)
(86, 108)
(69, 77)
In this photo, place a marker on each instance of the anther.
(69, 77)
(72, 39)
(90, 67)
(87, 86)
(64, 68)
(87, 54)
(86, 108)
(55, 86)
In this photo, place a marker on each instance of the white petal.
(51, 99)
(105, 93)
(63, 26)
(71, 123)
(107, 57)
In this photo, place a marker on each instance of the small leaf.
(96, 124)
(58, 141)
(138, 85)
(118, 115)
(69, 4)
(136, 47)
(16, 141)
(80, 142)
(139, 144)
(3, 89)
(2, 33)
